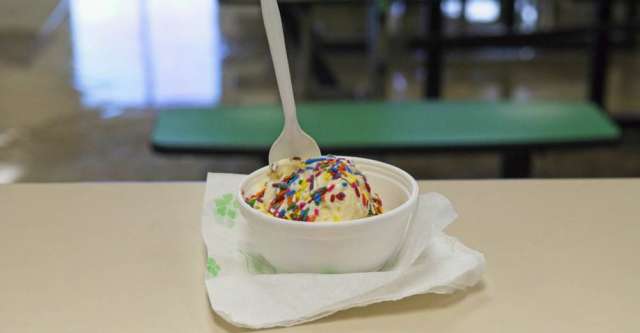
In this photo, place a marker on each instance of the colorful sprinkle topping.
(326, 188)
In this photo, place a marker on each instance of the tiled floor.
(48, 131)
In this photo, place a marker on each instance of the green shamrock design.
(226, 208)
(257, 264)
(212, 267)
(329, 270)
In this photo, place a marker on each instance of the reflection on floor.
(51, 132)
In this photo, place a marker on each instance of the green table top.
(361, 126)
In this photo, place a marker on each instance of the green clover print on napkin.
(257, 264)
(212, 267)
(226, 209)
(328, 270)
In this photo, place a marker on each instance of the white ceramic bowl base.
(362, 245)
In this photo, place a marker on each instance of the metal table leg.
(600, 54)
(516, 164)
(434, 51)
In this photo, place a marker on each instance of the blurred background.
(83, 83)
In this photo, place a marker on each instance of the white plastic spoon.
(293, 141)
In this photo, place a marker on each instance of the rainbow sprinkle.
(313, 185)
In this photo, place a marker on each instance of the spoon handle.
(275, 36)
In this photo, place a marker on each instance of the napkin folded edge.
(461, 281)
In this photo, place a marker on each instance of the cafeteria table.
(128, 257)
(514, 129)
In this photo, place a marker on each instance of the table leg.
(303, 65)
(631, 15)
(376, 49)
(508, 11)
(516, 164)
(600, 53)
(434, 51)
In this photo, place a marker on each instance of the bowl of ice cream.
(329, 214)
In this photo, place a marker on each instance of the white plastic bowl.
(361, 245)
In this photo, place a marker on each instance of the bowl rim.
(413, 197)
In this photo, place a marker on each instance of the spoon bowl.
(293, 141)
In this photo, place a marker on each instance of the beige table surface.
(562, 256)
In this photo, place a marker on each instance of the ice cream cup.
(360, 245)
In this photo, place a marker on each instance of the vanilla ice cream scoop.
(326, 188)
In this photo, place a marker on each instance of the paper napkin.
(247, 291)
